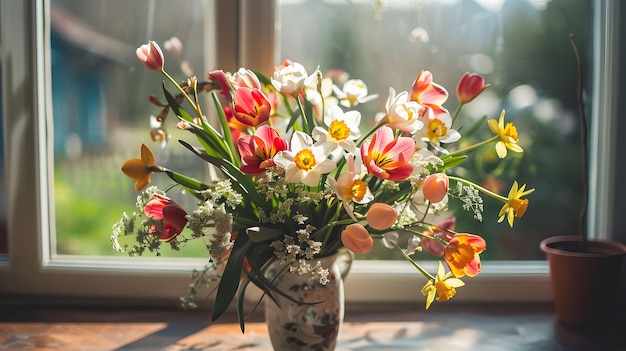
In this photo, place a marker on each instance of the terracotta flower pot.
(584, 284)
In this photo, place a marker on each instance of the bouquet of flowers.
(302, 178)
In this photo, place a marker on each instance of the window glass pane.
(522, 49)
(3, 196)
(101, 110)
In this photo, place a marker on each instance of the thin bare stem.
(583, 141)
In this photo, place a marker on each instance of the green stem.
(456, 113)
(417, 266)
(475, 146)
(369, 133)
(305, 122)
(425, 236)
(480, 188)
(195, 105)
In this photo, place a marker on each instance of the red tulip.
(173, 217)
(470, 86)
(258, 150)
(251, 106)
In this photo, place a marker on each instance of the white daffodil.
(304, 162)
(349, 187)
(437, 129)
(354, 92)
(292, 77)
(402, 114)
(343, 129)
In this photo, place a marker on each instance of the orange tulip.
(435, 187)
(357, 239)
(462, 254)
(381, 216)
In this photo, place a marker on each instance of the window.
(522, 49)
(39, 262)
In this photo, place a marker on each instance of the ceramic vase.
(313, 317)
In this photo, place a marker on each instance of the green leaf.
(265, 80)
(241, 298)
(452, 161)
(178, 110)
(229, 283)
(186, 181)
(240, 181)
(260, 234)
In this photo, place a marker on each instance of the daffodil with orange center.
(343, 129)
(462, 254)
(140, 169)
(443, 286)
(349, 187)
(437, 130)
(508, 136)
(304, 162)
(515, 207)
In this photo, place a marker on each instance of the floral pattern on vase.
(315, 322)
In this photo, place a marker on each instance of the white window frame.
(31, 269)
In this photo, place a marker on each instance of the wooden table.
(398, 328)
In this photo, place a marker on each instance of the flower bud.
(470, 86)
(357, 239)
(173, 46)
(381, 216)
(151, 56)
(435, 187)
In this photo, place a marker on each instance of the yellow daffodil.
(443, 286)
(140, 169)
(508, 136)
(515, 205)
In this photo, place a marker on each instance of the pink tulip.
(445, 231)
(469, 87)
(251, 106)
(174, 218)
(357, 239)
(219, 77)
(258, 150)
(151, 56)
(381, 216)
(386, 157)
(246, 78)
(428, 93)
(435, 187)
